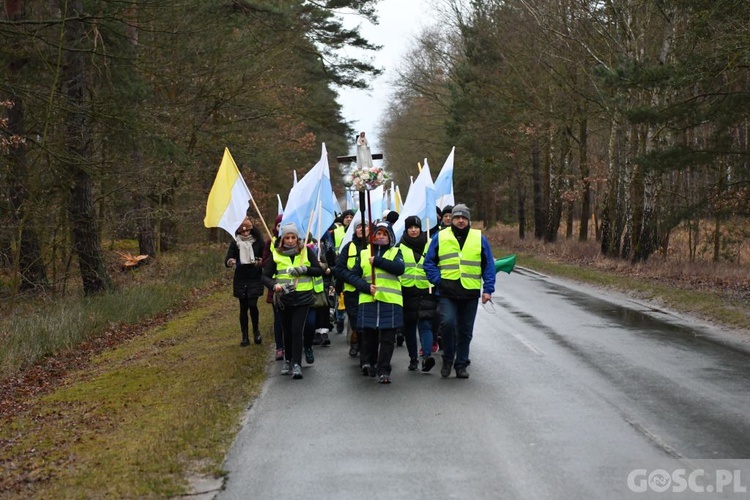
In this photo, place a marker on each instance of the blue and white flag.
(420, 201)
(309, 195)
(444, 183)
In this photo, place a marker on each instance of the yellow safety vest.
(388, 285)
(456, 263)
(414, 274)
(350, 262)
(284, 262)
(338, 236)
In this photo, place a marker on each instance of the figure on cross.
(364, 158)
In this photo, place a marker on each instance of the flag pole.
(257, 210)
(372, 235)
(428, 243)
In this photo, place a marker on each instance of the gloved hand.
(297, 271)
(288, 288)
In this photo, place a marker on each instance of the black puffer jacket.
(247, 276)
(419, 303)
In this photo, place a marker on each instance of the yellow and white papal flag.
(229, 197)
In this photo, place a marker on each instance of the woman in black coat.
(245, 254)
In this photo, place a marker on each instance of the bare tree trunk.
(539, 210)
(583, 160)
(86, 238)
(555, 197)
(32, 273)
(520, 199)
(610, 235)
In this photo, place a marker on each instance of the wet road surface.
(571, 391)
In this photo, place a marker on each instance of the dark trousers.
(248, 304)
(376, 347)
(309, 328)
(293, 319)
(278, 332)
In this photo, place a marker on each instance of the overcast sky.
(400, 22)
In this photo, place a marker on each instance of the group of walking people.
(425, 289)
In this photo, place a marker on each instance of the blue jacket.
(452, 289)
(372, 315)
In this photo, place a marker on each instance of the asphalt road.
(574, 393)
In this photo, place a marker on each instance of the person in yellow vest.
(345, 262)
(459, 263)
(419, 301)
(278, 336)
(340, 231)
(380, 313)
(289, 273)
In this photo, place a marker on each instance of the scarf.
(289, 251)
(416, 244)
(245, 245)
(460, 234)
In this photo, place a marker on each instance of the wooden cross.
(349, 159)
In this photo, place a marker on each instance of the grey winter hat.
(287, 229)
(461, 210)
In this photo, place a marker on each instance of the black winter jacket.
(247, 276)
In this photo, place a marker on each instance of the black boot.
(257, 337)
(245, 339)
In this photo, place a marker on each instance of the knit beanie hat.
(412, 220)
(461, 210)
(447, 209)
(289, 228)
(392, 217)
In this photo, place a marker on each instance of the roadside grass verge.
(65, 323)
(138, 420)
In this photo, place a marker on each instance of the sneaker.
(435, 347)
(286, 368)
(296, 371)
(326, 341)
(245, 340)
(354, 350)
(468, 362)
(461, 372)
(317, 338)
(309, 355)
(279, 354)
(372, 370)
(257, 338)
(413, 364)
(399, 340)
(428, 363)
(384, 379)
(365, 369)
(445, 371)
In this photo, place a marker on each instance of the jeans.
(425, 336)
(458, 328)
